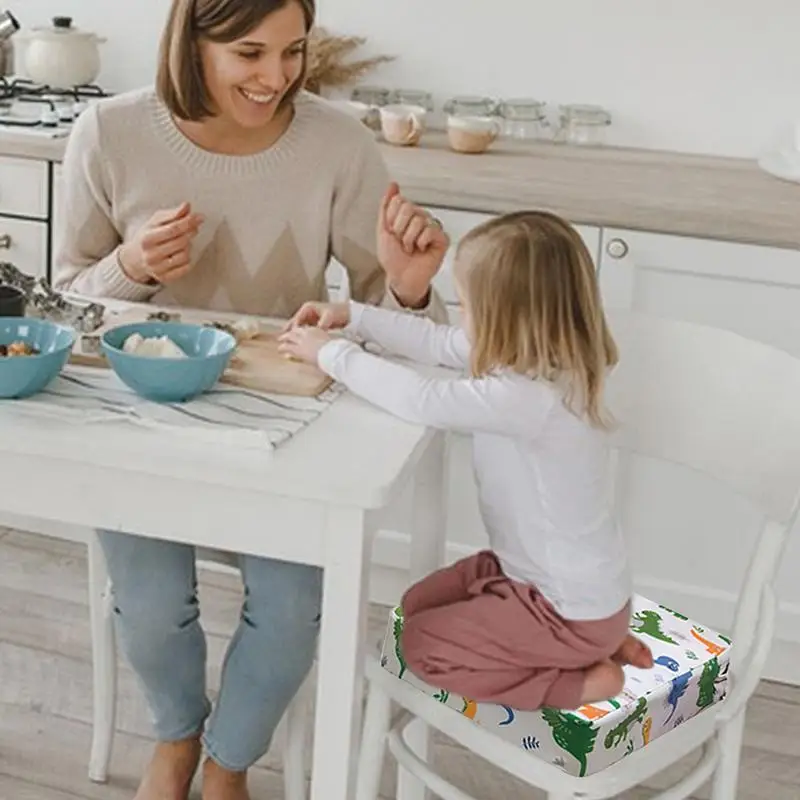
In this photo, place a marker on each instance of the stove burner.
(59, 105)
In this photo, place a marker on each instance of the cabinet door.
(690, 537)
(23, 243)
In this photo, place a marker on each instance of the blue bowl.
(23, 376)
(170, 380)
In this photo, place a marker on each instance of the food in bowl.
(18, 348)
(152, 346)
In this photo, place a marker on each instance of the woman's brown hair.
(180, 82)
(533, 298)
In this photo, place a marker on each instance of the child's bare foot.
(635, 652)
(603, 681)
(222, 784)
(170, 772)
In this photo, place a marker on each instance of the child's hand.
(321, 315)
(303, 343)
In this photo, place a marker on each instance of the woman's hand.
(303, 343)
(160, 249)
(411, 247)
(321, 315)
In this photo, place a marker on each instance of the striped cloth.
(226, 414)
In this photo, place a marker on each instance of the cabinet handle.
(5, 241)
(617, 248)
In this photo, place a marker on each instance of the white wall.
(716, 76)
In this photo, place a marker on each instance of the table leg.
(340, 679)
(427, 554)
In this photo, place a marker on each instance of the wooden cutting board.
(255, 365)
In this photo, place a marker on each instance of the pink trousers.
(471, 630)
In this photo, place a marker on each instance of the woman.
(228, 188)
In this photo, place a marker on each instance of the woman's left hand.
(303, 343)
(411, 247)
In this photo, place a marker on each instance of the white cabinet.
(689, 537)
(24, 201)
(23, 243)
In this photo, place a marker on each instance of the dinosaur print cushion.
(690, 674)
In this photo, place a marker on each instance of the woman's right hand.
(320, 315)
(160, 250)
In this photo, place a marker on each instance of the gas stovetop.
(30, 109)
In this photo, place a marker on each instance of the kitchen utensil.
(402, 124)
(470, 106)
(257, 364)
(472, 134)
(12, 301)
(583, 125)
(170, 380)
(23, 376)
(524, 118)
(8, 27)
(60, 56)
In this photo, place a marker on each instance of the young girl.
(541, 618)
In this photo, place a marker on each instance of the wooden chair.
(104, 666)
(705, 399)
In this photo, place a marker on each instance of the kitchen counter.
(692, 195)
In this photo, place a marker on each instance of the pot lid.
(61, 28)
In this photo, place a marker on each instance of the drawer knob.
(617, 248)
(5, 241)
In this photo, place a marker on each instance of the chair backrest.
(711, 400)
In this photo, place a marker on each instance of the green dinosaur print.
(674, 613)
(397, 630)
(620, 733)
(649, 623)
(573, 734)
(442, 696)
(725, 639)
(706, 684)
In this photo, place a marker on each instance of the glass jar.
(373, 97)
(412, 97)
(470, 106)
(523, 118)
(583, 125)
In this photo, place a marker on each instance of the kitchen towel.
(226, 414)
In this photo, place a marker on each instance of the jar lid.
(586, 114)
(522, 108)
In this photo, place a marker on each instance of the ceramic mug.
(472, 134)
(402, 124)
(12, 301)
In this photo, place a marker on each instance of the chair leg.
(726, 776)
(373, 743)
(104, 665)
(297, 722)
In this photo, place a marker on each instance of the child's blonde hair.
(535, 306)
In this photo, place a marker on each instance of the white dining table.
(317, 499)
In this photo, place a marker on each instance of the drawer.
(23, 243)
(24, 187)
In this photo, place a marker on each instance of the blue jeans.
(157, 621)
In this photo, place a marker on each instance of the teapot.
(59, 56)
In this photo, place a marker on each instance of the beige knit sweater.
(272, 220)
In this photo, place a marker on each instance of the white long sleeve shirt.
(541, 471)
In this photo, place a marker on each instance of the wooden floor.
(45, 695)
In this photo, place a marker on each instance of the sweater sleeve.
(87, 241)
(506, 404)
(420, 339)
(356, 206)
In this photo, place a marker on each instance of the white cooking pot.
(59, 56)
